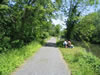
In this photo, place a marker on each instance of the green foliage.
(24, 21)
(63, 32)
(81, 62)
(45, 35)
(74, 9)
(12, 59)
(60, 43)
(88, 28)
(57, 30)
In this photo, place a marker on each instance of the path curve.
(47, 61)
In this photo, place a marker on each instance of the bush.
(60, 43)
(45, 35)
(5, 44)
(17, 43)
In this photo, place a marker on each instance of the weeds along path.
(47, 61)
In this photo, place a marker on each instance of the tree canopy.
(22, 21)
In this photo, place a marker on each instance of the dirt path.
(47, 61)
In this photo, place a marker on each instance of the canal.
(93, 48)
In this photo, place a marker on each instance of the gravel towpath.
(47, 61)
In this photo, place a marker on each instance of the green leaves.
(3, 6)
(24, 21)
(88, 28)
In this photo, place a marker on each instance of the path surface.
(47, 61)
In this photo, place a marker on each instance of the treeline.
(22, 21)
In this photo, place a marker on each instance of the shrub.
(17, 43)
(45, 35)
(60, 43)
(5, 44)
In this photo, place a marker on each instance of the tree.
(57, 30)
(22, 21)
(73, 10)
(85, 28)
(88, 28)
(96, 35)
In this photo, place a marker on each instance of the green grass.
(12, 59)
(81, 59)
(80, 62)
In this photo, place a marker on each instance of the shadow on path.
(50, 44)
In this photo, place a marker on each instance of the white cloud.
(58, 21)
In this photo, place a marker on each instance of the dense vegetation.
(89, 28)
(24, 21)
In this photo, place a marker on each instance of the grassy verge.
(12, 59)
(80, 62)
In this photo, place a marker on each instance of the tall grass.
(81, 62)
(12, 59)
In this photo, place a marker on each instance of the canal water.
(93, 48)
